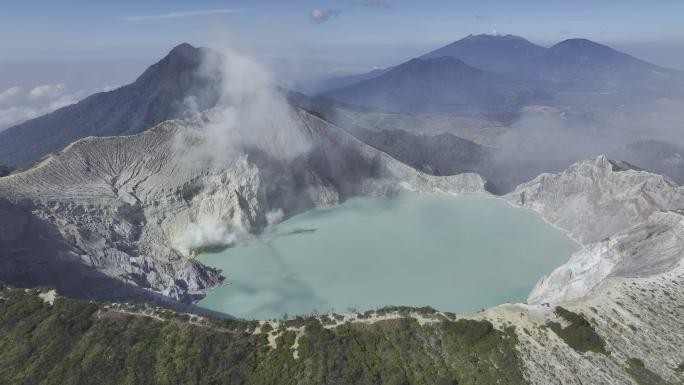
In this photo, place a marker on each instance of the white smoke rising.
(549, 139)
(572, 134)
(206, 232)
(252, 113)
(274, 217)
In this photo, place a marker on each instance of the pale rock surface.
(135, 209)
(626, 281)
(649, 248)
(626, 219)
(593, 199)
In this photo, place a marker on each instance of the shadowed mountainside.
(490, 52)
(440, 86)
(584, 72)
(166, 90)
(575, 71)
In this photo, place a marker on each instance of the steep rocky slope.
(133, 209)
(652, 247)
(612, 314)
(594, 199)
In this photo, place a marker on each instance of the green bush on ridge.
(75, 342)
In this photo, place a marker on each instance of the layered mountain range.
(472, 94)
(440, 85)
(575, 72)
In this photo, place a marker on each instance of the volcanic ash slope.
(106, 217)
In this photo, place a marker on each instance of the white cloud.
(63, 101)
(319, 16)
(47, 91)
(11, 115)
(18, 104)
(10, 94)
(178, 15)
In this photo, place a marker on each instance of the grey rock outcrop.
(625, 282)
(123, 206)
(650, 248)
(594, 199)
(625, 219)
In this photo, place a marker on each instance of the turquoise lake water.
(457, 254)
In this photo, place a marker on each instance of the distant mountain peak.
(580, 43)
(185, 51)
(592, 53)
(582, 70)
(439, 85)
(490, 37)
(491, 52)
(182, 58)
(157, 95)
(183, 47)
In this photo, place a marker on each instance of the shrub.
(579, 335)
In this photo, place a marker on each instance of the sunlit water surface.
(456, 254)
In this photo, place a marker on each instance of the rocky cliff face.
(127, 213)
(628, 221)
(652, 247)
(596, 198)
(622, 289)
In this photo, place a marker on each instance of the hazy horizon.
(301, 40)
(320, 28)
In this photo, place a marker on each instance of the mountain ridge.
(158, 94)
(577, 71)
(491, 52)
(439, 85)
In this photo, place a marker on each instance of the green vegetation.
(579, 335)
(75, 342)
(642, 375)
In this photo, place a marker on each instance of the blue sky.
(123, 28)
